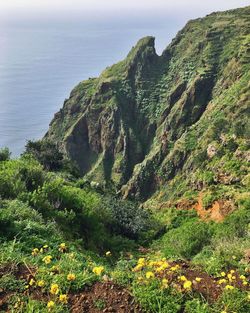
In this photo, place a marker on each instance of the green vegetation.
(60, 236)
(137, 198)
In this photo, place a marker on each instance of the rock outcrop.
(149, 120)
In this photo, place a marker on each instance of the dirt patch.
(202, 283)
(104, 297)
(100, 297)
(216, 212)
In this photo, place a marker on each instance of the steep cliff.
(162, 126)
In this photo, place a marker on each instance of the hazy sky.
(11, 6)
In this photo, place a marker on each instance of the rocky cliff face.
(149, 122)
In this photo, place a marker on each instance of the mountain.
(162, 126)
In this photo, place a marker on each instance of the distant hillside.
(165, 125)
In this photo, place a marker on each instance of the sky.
(111, 6)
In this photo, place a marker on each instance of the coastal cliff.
(151, 121)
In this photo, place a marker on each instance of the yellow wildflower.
(183, 278)
(140, 278)
(47, 259)
(150, 275)
(162, 266)
(63, 298)
(232, 271)
(54, 289)
(32, 282)
(229, 276)
(41, 283)
(41, 250)
(152, 263)
(222, 281)
(71, 276)
(141, 261)
(45, 247)
(164, 283)
(55, 269)
(244, 283)
(108, 253)
(198, 279)
(223, 274)
(35, 252)
(243, 277)
(229, 287)
(187, 285)
(62, 247)
(98, 270)
(50, 304)
(174, 268)
(137, 268)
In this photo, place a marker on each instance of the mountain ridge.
(127, 127)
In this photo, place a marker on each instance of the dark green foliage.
(8, 282)
(5, 154)
(126, 218)
(47, 153)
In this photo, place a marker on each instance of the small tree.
(5, 154)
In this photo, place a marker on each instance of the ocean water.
(41, 60)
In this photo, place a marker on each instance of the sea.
(43, 57)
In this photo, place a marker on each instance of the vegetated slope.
(154, 123)
(171, 131)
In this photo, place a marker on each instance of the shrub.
(126, 218)
(49, 155)
(4, 154)
(20, 222)
(8, 282)
(186, 240)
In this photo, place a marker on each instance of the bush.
(8, 282)
(4, 154)
(49, 155)
(187, 240)
(126, 218)
(20, 222)
(46, 152)
(19, 176)
(228, 245)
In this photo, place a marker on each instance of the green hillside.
(137, 199)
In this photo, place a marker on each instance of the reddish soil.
(110, 297)
(100, 297)
(208, 287)
(20, 272)
(104, 297)
(217, 212)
